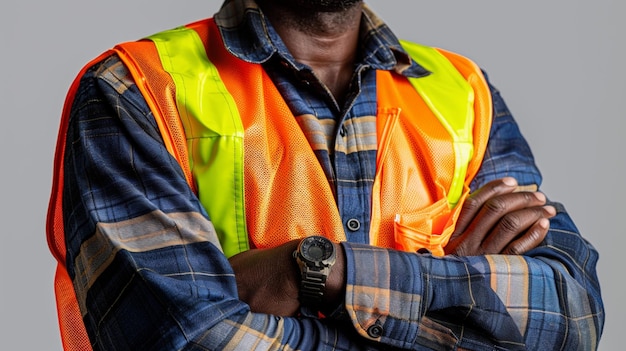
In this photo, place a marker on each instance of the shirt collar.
(249, 36)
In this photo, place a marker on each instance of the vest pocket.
(429, 228)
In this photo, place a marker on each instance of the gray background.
(559, 65)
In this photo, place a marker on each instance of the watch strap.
(312, 286)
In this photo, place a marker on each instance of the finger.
(493, 211)
(516, 224)
(531, 239)
(498, 207)
(477, 199)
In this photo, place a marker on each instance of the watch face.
(316, 248)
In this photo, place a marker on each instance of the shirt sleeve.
(143, 256)
(547, 299)
(149, 273)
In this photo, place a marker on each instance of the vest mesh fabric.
(272, 172)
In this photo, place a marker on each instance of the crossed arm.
(495, 219)
(149, 273)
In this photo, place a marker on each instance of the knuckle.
(531, 237)
(530, 240)
(472, 203)
(460, 250)
(514, 250)
(511, 223)
(496, 205)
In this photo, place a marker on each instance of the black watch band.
(312, 288)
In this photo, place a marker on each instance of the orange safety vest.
(425, 163)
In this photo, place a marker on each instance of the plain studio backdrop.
(558, 64)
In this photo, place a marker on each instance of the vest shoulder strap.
(217, 142)
(451, 99)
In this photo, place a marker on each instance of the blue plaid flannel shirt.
(149, 274)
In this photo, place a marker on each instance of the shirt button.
(354, 224)
(343, 131)
(375, 331)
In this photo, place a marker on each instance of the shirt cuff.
(384, 292)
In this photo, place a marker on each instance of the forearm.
(146, 264)
(411, 300)
(184, 296)
(506, 301)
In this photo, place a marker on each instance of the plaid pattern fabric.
(148, 269)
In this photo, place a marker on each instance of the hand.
(269, 279)
(497, 219)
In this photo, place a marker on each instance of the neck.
(325, 41)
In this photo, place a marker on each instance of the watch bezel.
(310, 244)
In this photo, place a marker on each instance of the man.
(288, 175)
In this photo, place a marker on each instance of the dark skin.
(325, 41)
(496, 219)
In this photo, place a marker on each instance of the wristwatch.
(315, 255)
